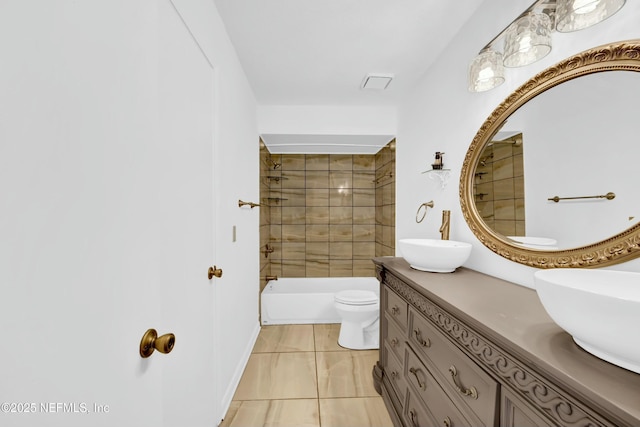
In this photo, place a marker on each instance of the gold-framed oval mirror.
(547, 158)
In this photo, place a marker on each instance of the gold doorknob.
(151, 341)
(214, 271)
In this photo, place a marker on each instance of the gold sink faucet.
(446, 224)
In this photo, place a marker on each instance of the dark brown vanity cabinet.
(449, 357)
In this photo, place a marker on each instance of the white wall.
(237, 168)
(441, 115)
(327, 120)
(84, 182)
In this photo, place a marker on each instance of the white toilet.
(360, 314)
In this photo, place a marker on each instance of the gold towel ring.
(426, 205)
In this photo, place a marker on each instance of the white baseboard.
(237, 375)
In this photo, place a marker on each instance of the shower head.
(275, 165)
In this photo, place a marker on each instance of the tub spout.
(267, 278)
(446, 224)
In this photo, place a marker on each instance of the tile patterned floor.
(298, 375)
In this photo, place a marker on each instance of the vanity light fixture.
(528, 38)
(573, 15)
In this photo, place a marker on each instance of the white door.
(106, 215)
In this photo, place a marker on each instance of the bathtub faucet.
(446, 224)
(267, 278)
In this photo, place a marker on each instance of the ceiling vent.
(376, 81)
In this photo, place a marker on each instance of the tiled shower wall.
(499, 187)
(328, 214)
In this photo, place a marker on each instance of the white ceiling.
(312, 52)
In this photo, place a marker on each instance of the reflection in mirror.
(568, 133)
(579, 143)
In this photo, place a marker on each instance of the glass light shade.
(527, 40)
(573, 15)
(486, 71)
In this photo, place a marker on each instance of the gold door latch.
(151, 341)
(214, 271)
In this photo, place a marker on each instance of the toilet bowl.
(360, 314)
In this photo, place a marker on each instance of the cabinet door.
(517, 413)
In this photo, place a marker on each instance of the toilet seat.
(356, 297)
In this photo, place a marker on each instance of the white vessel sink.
(438, 256)
(599, 308)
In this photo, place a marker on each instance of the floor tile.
(346, 373)
(359, 411)
(284, 338)
(326, 337)
(273, 413)
(278, 376)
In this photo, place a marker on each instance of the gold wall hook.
(151, 341)
(214, 271)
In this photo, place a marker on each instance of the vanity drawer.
(394, 369)
(437, 403)
(464, 381)
(396, 307)
(395, 339)
(415, 414)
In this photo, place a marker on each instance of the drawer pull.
(395, 310)
(447, 422)
(394, 342)
(394, 375)
(423, 342)
(472, 392)
(413, 416)
(415, 371)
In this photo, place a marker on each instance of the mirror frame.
(620, 56)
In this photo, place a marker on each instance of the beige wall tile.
(340, 197)
(341, 162)
(364, 215)
(340, 250)
(317, 268)
(317, 250)
(290, 196)
(364, 197)
(317, 162)
(340, 179)
(341, 215)
(293, 162)
(340, 268)
(293, 268)
(293, 250)
(503, 168)
(341, 233)
(293, 215)
(363, 268)
(505, 227)
(364, 180)
(278, 376)
(293, 233)
(364, 233)
(364, 162)
(503, 189)
(317, 215)
(293, 179)
(505, 209)
(364, 250)
(317, 197)
(317, 233)
(275, 233)
(317, 179)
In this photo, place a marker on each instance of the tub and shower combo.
(354, 302)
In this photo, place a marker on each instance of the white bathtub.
(295, 300)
